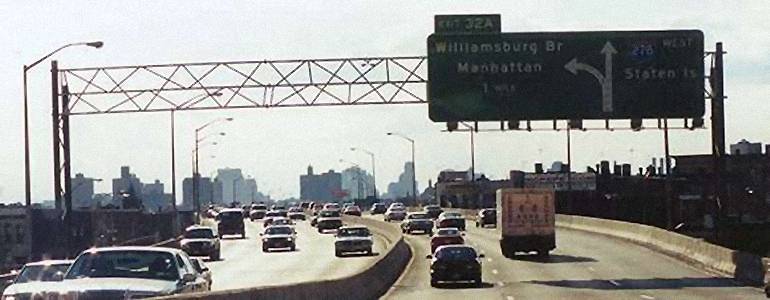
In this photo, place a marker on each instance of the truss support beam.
(246, 84)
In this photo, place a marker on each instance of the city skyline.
(275, 145)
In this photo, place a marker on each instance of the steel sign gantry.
(246, 84)
(236, 84)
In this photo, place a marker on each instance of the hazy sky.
(276, 145)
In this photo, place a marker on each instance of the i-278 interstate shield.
(566, 75)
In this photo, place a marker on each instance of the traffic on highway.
(421, 150)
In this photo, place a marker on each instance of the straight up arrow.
(605, 80)
(608, 51)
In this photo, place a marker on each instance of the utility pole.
(716, 79)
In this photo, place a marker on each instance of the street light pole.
(196, 175)
(414, 165)
(374, 168)
(27, 174)
(473, 152)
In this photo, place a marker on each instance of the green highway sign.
(566, 75)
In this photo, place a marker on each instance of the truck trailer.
(526, 219)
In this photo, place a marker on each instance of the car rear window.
(354, 232)
(202, 233)
(418, 216)
(230, 215)
(456, 253)
(448, 232)
(330, 214)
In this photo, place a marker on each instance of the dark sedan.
(455, 263)
(486, 217)
(433, 211)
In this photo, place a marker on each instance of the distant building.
(403, 187)
(326, 187)
(357, 183)
(127, 182)
(82, 192)
(744, 147)
(234, 187)
(205, 193)
(153, 197)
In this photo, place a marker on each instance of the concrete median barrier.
(371, 283)
(745, 267)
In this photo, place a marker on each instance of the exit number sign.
(467, 24)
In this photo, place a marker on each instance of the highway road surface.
(244, 265)
(584, 266)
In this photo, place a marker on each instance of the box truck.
(526, 219)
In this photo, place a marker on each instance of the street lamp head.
(222, 133)
(214, 143)
(229, 119)
(389, 133)
(97, 44)
(352, 148)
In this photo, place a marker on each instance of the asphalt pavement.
(583, 266)
(244, 265)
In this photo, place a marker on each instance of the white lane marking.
(510, 298)
(489, 260)
(615, 283)
(591, 269)
(647, 297)
(494, 271)
(500, 283)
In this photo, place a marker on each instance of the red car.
(446, 236)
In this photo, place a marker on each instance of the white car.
(395, 214)
(36, 278)
(130, 272)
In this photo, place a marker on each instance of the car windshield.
(40, 273)
(273, 214)
(279, 230)
(202, 233)
(259, 207)
(354, 232)
(125, 264)
(456, 253)
(330, 214)
(295, 209)
(489, 212)
(452, 215)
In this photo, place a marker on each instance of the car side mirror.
(189, 277)
(482, 255)
(205, 269)
(428, 256)
(261, 234)
(462, 233)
